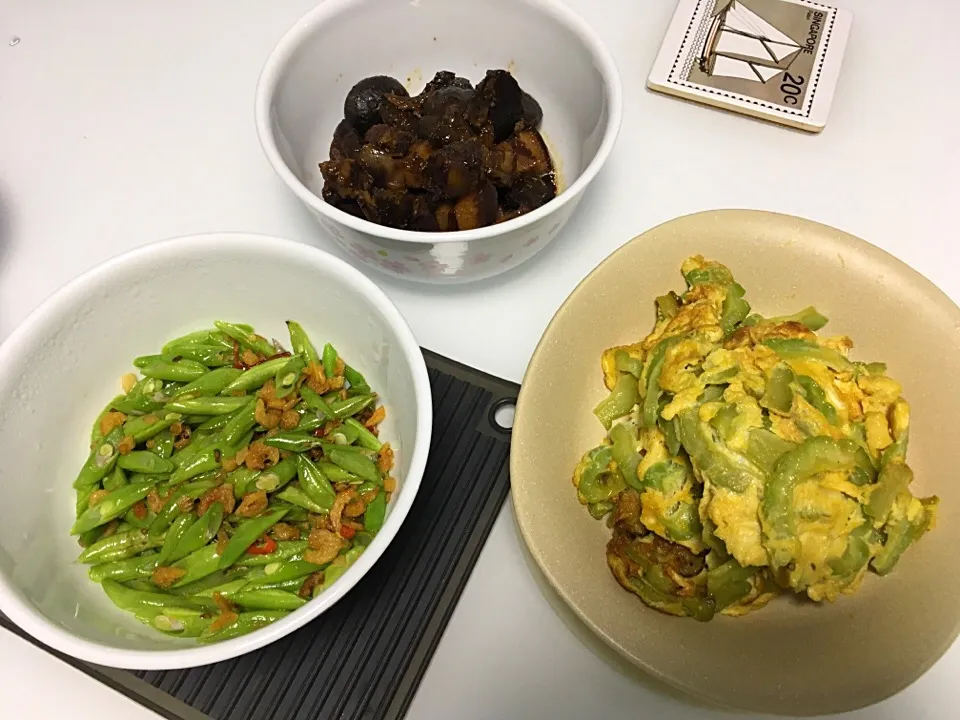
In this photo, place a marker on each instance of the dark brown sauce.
(454, 157)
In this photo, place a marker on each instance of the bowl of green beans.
(208, 441)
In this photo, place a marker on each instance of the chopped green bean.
(246, 534)
(189, 426)
(256, 376)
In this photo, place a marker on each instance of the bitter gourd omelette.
(747, 456)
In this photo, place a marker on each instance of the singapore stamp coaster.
(774, 59)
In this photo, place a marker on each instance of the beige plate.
(791, 657)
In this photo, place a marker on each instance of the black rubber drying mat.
(365, 657)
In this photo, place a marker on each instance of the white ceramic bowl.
(553, 54)
(61, 366)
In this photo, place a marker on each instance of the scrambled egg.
(752, 457)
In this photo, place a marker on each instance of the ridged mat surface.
(365, 657)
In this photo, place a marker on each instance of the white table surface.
(125, 121)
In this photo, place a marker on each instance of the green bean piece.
(213, 356)
(293, 441)
(247, 338)
(279, 475)
(83, 498)
(205, 461)
(112, 506)
(286, 550)
(247, 622)
(209, 385)
(240, 423)
(295, 496)
(295, 513)
(95, 435)
(367, 487)
(338, 567)
(101, 460)
(171, 508)
(163, 444)
(246, 534)
(279, 572)
(216, 422)
(365, 438)
(314, 484)
(144, 461)
(141, 585)
(358, 384)
(119, 546)
(137, 600)
(286, 377)
(300, 343)
(90, 536)
(198, 564)
(229, 451)
(143, 428)
(179, 371)
(354, 449)
(145, 387)
(309, 421)
(143, 360)
(344, 434)
(178, 622)
(123, 570)
(199, 533)
(343, 409)
(116, 479)
(355, 463)
(214, 583)
(268, 600)
(362, 538)
(375, 513)
(137, 405)
(199, 337)
(208, 405)
(198, 442)
(329, 360)
(315, 402)
(255, 377)
(131, 518)
(336, 474)
(287, 585)
(174, 535)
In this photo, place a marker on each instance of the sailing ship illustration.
(741, 44)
